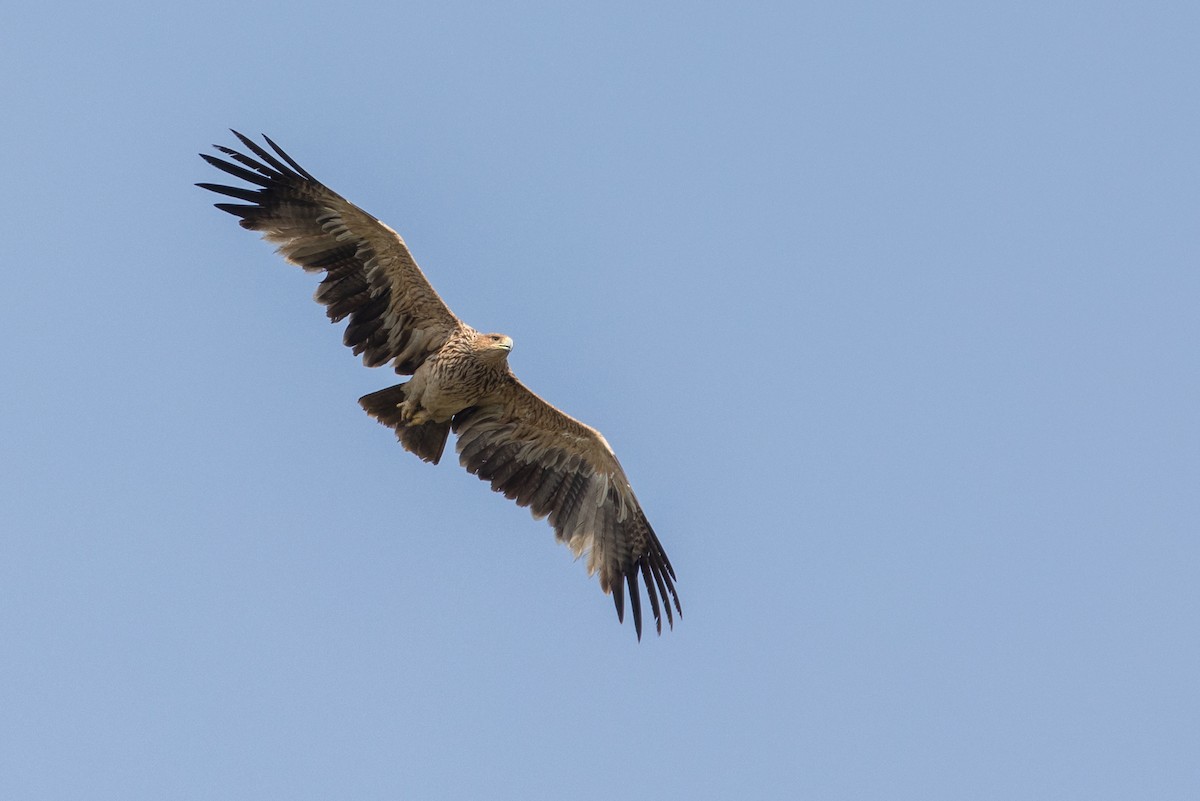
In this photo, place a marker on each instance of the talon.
(411, 415)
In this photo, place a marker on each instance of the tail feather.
(427, 440)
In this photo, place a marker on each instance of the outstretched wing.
(395, 315)
(561, 468)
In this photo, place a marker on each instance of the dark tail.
(427, 440)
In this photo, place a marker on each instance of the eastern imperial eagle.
(461, 381)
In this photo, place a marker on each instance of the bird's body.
(461, 381)
(468, 369)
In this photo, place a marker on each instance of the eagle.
(461, 381)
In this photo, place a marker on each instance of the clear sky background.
(890, 311)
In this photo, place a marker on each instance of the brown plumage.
(525, 448)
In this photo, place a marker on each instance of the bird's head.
(493, 347)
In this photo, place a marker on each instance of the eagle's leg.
(412, 414)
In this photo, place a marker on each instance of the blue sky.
(889, 311)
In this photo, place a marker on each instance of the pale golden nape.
(525, 448)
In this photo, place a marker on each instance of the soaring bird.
(461, 381)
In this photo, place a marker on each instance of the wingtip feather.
(618, 594)
(635, 603)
